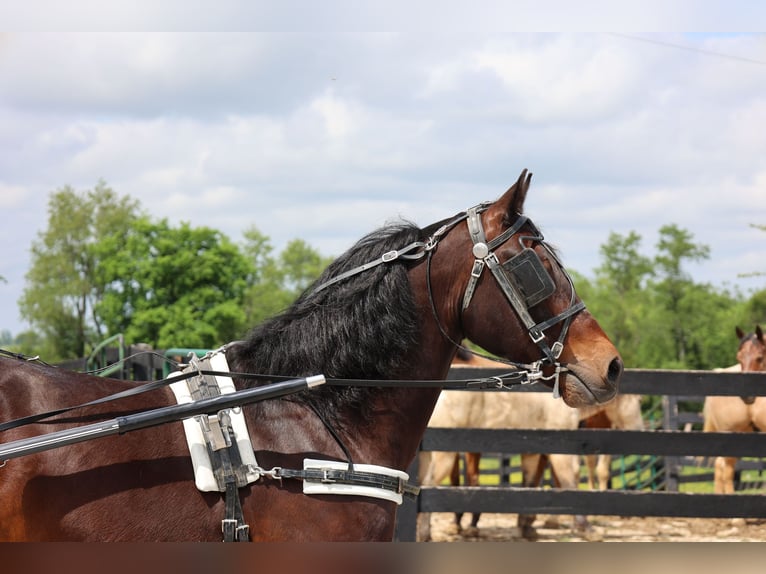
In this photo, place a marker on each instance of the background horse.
(737, 414)
(390, 308)
(527, 410)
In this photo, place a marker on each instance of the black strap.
(233, 525)
(354, 477)
(513, 377)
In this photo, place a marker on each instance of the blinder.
(527, 273)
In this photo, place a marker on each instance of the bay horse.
(527, 410)
(737, 414)
(388, 310)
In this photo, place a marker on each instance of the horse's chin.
(581, 387)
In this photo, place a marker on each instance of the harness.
(523, 280)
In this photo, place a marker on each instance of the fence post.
(670, 422)
(406, 529)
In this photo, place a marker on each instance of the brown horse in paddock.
(391, 308)
(737, 414)
(458, 409)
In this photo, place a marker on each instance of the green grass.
(642, 478)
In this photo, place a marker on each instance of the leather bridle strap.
(387, 257)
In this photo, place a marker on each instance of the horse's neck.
(401, 414)
(400, 419)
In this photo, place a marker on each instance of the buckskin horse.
(391, 311)
(522, 410)
(737, 414)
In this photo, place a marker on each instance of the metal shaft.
(154, 417)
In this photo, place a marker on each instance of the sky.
(325, 135)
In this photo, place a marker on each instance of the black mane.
(361, 327)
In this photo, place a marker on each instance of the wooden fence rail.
(668, 442)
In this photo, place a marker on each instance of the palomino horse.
(737, 414)
(529, 410)
(387, 311)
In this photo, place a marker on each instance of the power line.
(689, 49)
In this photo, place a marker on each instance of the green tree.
(653, 311)
(61, 290)
(277, 280)
(175, 286)
(674, 249)
(300, 264)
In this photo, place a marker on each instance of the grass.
(642, 475)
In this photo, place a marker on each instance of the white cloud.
(326, 136)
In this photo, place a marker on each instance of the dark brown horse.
(397, 320)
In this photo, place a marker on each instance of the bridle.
(523, 280)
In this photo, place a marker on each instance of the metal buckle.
(536, 335)
(326, 476)
(390, 256)
(478, 267)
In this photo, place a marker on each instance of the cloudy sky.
(325, 136)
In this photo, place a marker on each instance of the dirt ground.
(502, 527)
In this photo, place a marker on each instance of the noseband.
(523, 280)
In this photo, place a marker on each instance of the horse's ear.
(740, 332)
(512, 201)
(759, 333)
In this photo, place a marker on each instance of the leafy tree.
(675, 248)
(300, 264)
(754, 311)
(61, 288)
(277, 281)
(622, 275)
(653, 311)
(174, 286)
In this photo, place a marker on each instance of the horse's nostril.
(614, 372)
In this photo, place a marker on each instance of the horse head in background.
(390, 309)
(751, 351)
(737, 414)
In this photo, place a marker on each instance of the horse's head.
(517, 301)
(752, 349)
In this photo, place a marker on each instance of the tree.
(277, 281)
(300, 264)
(175, 286)
(61, 290)
(653, 311)
(618, 297)
(675, 248)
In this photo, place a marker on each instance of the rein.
(497, 382)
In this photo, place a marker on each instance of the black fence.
(678, 442)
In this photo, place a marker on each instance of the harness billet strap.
(351, 477)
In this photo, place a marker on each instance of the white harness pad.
(204, 478)
(318, 487)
